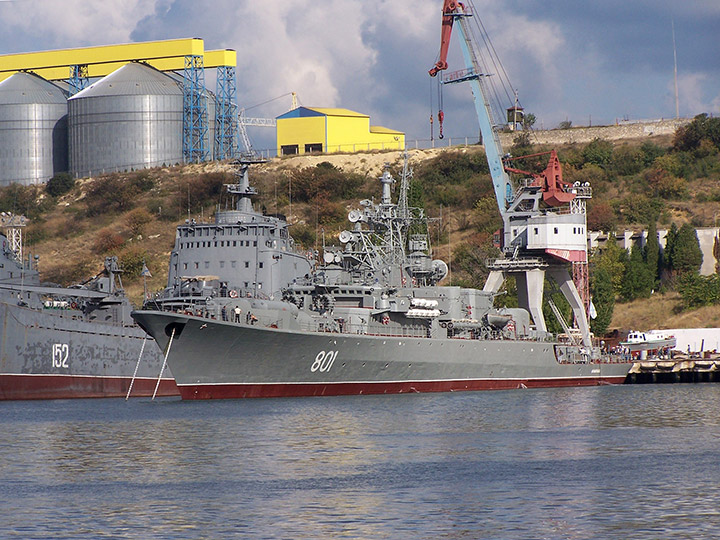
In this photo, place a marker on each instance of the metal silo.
(131, 119)
(33, 130)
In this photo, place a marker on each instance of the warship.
(369, 317)
(372, 315)
(70, 342)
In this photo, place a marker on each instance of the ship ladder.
(137, 365)
(162, 369)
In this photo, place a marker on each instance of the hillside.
(134, 214)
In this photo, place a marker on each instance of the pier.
(679, 369)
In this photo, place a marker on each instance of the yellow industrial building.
(308, 129)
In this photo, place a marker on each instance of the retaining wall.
(627, 130)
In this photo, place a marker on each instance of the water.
(607, 462)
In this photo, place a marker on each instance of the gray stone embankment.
(625, 130)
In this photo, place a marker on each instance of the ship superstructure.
(241, 254)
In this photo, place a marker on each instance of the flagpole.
(145, 273)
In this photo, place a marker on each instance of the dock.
(678, 369)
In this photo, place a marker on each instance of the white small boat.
(653, 340)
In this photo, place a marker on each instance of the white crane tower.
(544, 221)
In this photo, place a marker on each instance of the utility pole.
(677, 99)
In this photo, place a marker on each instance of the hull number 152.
(60, 353)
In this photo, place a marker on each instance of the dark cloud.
(568, 59)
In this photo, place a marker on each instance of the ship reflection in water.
(601, 462)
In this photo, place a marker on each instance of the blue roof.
(300, 112)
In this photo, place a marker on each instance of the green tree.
(603, 298)
(690, 137)
(611, 258)
(24, 200)
(469, 263)
(652, 252)
(698, 291)
(638, 279)
(529, 120)
(667, 253)
(687, 256)
(551, 292)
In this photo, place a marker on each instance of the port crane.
(544, 218)
(244, 121)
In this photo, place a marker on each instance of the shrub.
(650, 151)
(107, 241)
(110, 194)
(603, 300)
(470, 262)
(669, 163)
(137, 219)
(486, 214)
(304, 235)
(24, 200)
(162, 209)
(196, 192)
(60, 184)
(698, 291)
(665, 184)
(598, 152)
(72, 271)
(641, 209)
(627, 160)
(131, 261)
(324, 180)
(601, 217)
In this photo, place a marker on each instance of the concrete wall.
(626, 130)
(696, 339)
(626, 239)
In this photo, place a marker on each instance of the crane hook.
(441, 117)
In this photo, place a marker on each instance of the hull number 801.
(323, 361)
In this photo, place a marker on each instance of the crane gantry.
(544, 219)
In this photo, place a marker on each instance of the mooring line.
(132, 381)
(167, 353)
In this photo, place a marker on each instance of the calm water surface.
(607, 462)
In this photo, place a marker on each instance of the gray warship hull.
(216, 359)
(49, 354)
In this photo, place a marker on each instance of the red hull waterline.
(235, 391)
(79, 386)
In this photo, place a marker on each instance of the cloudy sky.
(582, 61)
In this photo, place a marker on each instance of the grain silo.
(33, 130)
(131, 119)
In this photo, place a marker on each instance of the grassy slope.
(662, 311)
(67, 252)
